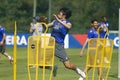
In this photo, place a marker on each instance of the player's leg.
(50, 68)
(61, 54)
(107, 51)
(100, 74)
(54, 70)
(9, 57)
(3, 51)
(72, 66)
(87, 69)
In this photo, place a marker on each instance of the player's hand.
(31, 24)
(1, 43)
(81, 53)
(56, 17)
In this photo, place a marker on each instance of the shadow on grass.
(114, 76)
(1, 62)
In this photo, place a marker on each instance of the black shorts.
(2, 49)
(60, 52)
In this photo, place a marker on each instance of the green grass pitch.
(6, 69)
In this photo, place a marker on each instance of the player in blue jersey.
(104, 24)
(61, 25)
(2, 44)
(91, 34)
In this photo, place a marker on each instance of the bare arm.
(31, 24)
(50, 24)
(67, 25)
(3, 39)
(82, 50)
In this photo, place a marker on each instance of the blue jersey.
(59, 31)
(2, 32)
(92, 33)
(103, 25)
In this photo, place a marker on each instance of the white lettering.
(23, 40)
(116, 41)
(9, 40)
(20, 41)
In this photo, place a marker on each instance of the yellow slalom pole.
(45, 26)
(98, 30)
(15, 44)
(43, 76)
(103, 52)
(45, 29)
(37, 60)
(29, 76)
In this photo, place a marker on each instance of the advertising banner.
(78, 40)
(71, 40)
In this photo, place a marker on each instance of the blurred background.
(83, 11)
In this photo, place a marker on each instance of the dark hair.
(67, 12)
(94, 20)
(37, 18)
(103, 16)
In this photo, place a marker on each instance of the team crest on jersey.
(57, 26)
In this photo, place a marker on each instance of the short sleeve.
(3, 30)
(90, 34)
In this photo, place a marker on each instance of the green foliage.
(83, 11)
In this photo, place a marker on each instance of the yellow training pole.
(29, 76)
(44, 51)
(43, 76)
(37, 58)
(15, 51)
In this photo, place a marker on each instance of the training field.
(6, 69)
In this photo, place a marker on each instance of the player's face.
(104, 19)
(60, 15)
(95, 24)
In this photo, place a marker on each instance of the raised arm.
(31, 30)
(67, 25)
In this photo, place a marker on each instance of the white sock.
(78, 70)
(9, 57)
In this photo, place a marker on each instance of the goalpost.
(119, 48)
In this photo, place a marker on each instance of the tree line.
(83, 11)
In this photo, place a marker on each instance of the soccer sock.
(9, 57)
(78, 70)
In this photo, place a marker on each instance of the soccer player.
(104, 25)
(91, 34)
(37, 29)
(61, 25)
(2, 44)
